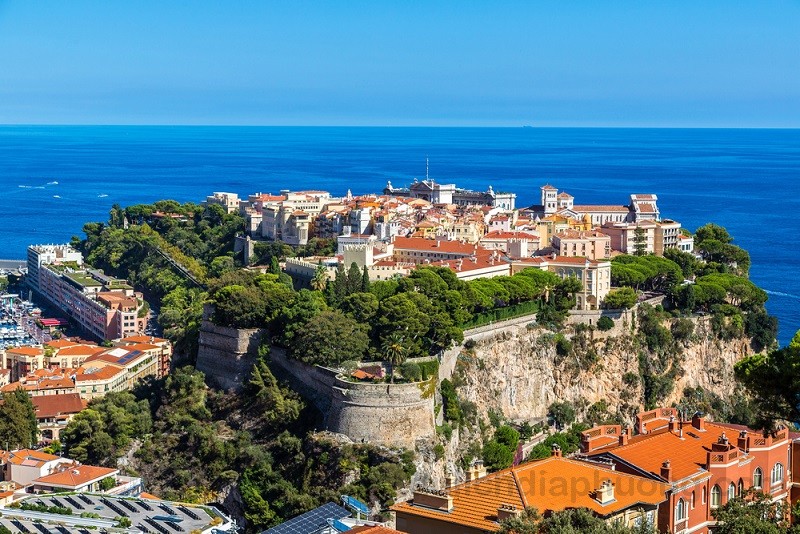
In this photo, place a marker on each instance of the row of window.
(776, 476)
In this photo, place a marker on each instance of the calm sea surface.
(54, 179)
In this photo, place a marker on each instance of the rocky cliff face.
(519, 371)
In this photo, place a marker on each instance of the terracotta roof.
(646, 207)
(60, 343)
(30, 457)
(500, 235)
(74, 476)
(549, 187)
(552, 484)
(103, 373)
(149, 496)
(59, 404)
(599, 207)
(687, 455)
(80, 350)
(433, 245)
(559, 260)
(26, 351)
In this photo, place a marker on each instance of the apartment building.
(229, 201)
(589, 244)
(39, 255)
(623, 236)
(104, 306)
(705, 464)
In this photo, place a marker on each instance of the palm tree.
(395, 351)
(320, 280)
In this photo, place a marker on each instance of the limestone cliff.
(519, 372)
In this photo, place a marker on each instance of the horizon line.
(461, 126)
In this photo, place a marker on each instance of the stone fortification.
(395, 415)
(226, 355)
(389, 414)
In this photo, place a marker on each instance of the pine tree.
(339, 285)
(18, 421)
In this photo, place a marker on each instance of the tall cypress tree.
(365, 280)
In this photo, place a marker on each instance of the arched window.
(692, 501)
(740, 488)
(758, 478)
(777, 473)
(680, 510)
(716, 496)
(704, 495)
(731, 491)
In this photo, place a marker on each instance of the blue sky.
(600, 63)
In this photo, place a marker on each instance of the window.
(704, 495)
(758, 478)
(731, 491)
(716, 496)
(777, 473)
(692, 501)
(740, 488)
(680, 510)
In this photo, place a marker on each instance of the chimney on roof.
(624, 436)
(438, 500)
(743, 442)
(555, 450)
(673, 424)
(605, 493)
(507, 510)
(723, 439)
(699, 421)
(666, 470)
(476, 471)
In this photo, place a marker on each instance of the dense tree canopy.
(17, 421)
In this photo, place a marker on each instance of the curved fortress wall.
(389, 414)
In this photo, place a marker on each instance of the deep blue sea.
(54, 179)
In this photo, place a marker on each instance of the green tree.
(639, 241)
(774, 382)
(320, 280)
(329, 338)
(621, 299)
(364, 280)
(17, 421)
(394, 349)
(562, 413)
(753, 512)
(525, 523)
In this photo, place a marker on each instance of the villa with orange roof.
(73, 477)
(550, 485)
(705, 464)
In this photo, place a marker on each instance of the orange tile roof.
(499, 234)
(74, 476)
(143, 339)
(60, 343)
(552, 484)
(80, 350)
(103, 373)
(30, 457)
(687, 455)
(433, 245)
(26, 351)
(149, 496)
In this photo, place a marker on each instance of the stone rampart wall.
(226, 355)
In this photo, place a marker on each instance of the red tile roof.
(60, 404)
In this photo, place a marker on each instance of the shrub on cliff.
(605, 323)
(329, 338)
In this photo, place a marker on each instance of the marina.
(20, 323)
